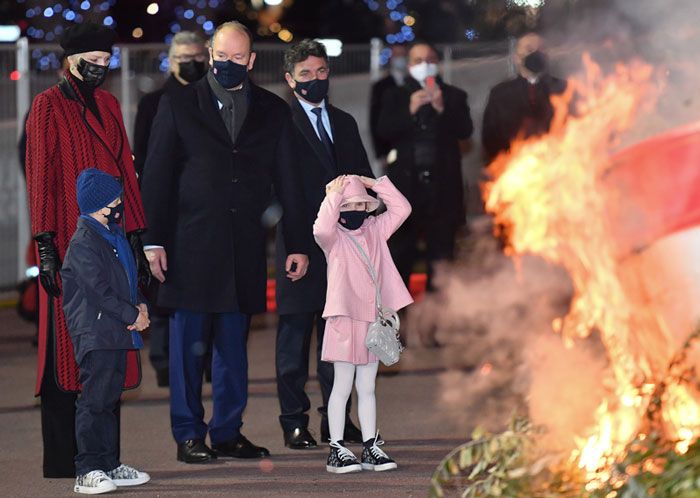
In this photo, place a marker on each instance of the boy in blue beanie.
(105, 313)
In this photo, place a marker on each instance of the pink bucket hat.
(355, 191)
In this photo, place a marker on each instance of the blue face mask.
(229, 74)
(352, 220)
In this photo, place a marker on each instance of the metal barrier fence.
(26, 70)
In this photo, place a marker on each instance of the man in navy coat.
(217, 150)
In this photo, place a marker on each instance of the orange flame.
(548, 195)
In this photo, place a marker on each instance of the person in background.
(521, 106)
(188, 62)
(73, 126)
(327, 143)
(424, 120)
(217, 150)
(105, 313)
(398, 64)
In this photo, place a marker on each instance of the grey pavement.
(417, 432)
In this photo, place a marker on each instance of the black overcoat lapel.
(301, 120)
(212, 119)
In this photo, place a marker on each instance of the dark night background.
(352, 21)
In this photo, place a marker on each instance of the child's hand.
(141, 323)
(367, 182)
(337, 185)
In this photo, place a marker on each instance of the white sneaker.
(94, 483)
(128, 476)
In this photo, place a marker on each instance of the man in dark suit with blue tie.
(328, 144)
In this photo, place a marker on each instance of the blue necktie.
(323, 134)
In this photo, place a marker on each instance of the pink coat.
(351, 291)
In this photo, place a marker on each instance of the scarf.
(116, 238)
(88, 94)
(234, 102)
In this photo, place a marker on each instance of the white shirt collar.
(308, 107)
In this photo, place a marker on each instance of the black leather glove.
(143, 269)
(49, 263)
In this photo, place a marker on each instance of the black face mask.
(192, 71)
(115, 214)
(229, 74)
(352, 220)
(93, 74)
(314, 91)
(536, 62)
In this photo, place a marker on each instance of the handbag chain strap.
(370, 269)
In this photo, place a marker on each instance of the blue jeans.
(102, 375)
(189, 336)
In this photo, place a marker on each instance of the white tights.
(366, 401)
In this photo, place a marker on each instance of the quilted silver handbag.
(383, 334)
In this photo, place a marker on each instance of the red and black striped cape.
(63, 138)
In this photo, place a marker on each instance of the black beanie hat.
(87, 37)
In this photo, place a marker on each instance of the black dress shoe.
(163, 377)
(194, 451)
(299, 439)
(240, 448)
(351, 435)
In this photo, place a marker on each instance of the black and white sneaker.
(341, 460)
(373, 458)
(94, 483)
(128, 476)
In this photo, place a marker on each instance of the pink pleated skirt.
(344, 340)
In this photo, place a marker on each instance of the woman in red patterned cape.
(73, 126)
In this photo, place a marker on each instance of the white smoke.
(492, 319)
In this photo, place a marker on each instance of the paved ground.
(417, 431)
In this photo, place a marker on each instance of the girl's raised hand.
(367, 182)
(337, 185)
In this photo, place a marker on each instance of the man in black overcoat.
(188, 62)
(425, 120)
(328, 144)
(521, 106)
(218, 148)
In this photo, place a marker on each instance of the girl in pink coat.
(350, 304)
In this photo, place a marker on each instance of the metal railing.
(26, 70)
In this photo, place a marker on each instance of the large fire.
(550, 197)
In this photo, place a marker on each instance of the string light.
(285, 35)
(194, 15)
(396, 11)
(47, 22)
(152, 8)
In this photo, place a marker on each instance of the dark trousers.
(102, 374)
(292, 364)
(57, 419)
(190, 333)
(425, 222)
(158, 334)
